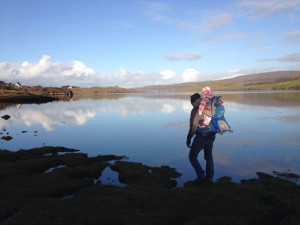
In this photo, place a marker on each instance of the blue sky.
(133, 43)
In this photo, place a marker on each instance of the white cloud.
(168, 74)
(45, 72)
(233, 36)
(154, 11)
(286, 58)
(155, 6)
(290, 58)
(119, 25)
(48, 73)
(190, 75)
(183, 56)
(218, 21)
(292, 37)
(259, 9)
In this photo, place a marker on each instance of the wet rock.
(225, 179)
(264, 176)
(268, 199)
(70, 196)
(133, 173)
(286, 175)
(24, 131)
(5, 117)
(7, 138)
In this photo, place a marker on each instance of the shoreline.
(27, 99)
(72, 193)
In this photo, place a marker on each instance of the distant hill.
(266, 77)
(279, 80)
(98, 90)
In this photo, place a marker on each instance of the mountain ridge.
(258, 81)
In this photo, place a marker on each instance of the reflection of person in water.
(201, 141)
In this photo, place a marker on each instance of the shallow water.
(152, 129)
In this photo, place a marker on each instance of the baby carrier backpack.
(218, 123)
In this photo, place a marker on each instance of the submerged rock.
(133, 173)
(5, 117)
(7, 138)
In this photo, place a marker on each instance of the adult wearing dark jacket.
(201, 141)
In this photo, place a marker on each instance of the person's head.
(195, 97)
(206, 93)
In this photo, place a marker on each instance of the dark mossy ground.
(69, 195)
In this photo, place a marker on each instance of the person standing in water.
(201, 107)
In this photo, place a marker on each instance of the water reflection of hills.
(79, 110)
(99, 96)
(265, 99)
(260, 99)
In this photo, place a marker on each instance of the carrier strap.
(211, 105)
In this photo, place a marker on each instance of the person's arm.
(194, 123)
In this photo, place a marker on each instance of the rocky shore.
(27, 99)
(56, 185)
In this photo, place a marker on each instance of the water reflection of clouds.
(186, 106)
(79, 112)
(290, 138)
(222, 158)
(181, 125)
(289, 119)
(237, 107)
(168, 108)
(241, 165)
(237, 142)
(257, 143)
(48, 115)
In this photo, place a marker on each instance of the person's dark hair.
(194, 97)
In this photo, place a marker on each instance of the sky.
(135, 43)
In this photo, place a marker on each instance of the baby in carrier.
(206, 95)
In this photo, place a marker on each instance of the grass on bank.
(224, 85)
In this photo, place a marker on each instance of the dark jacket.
(196, 119)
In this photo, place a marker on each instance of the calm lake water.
(152, 129)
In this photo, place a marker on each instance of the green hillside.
(280, 80)
(240, 86)
(99, 90)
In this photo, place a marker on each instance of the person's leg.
(209, 159)
(197, 146)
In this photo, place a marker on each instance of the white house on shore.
(18, 85)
